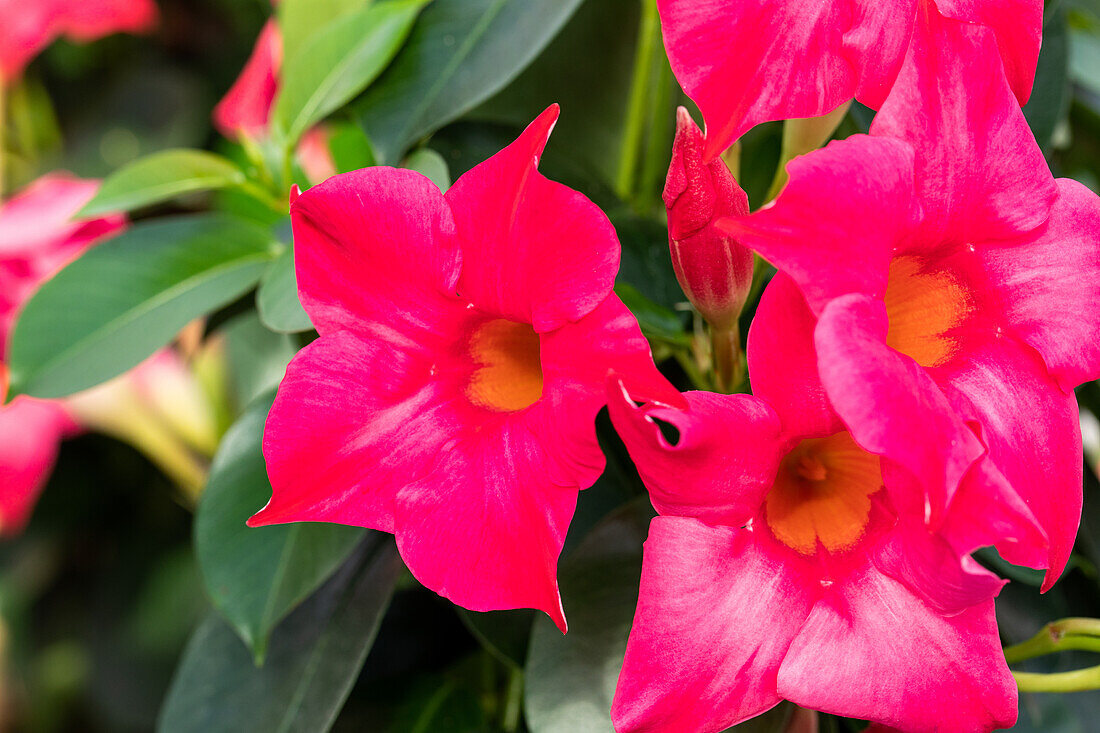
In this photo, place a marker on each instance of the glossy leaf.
(121, 301)
(160, 177)
(314, 659)
(300, 20)
(277, 299)
(460, 53)
(340, 61)
(1049, 102)
(255, 576)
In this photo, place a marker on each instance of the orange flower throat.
(508, 368)
(923, 307)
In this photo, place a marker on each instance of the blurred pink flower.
(451, 398)
(791, 563)
(38, 237)
(751, 61)
(31, 25)
(954, 290)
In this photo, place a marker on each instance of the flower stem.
(648, 34)
(1075, 681)
(1068, 633)
(726, 358)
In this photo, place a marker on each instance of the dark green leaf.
(128, 297)
(162, 176)
(314, 659)
(256, 575)
(277, 298)
(340, 61)
(657, 322)
(505, 633)
(571, 679)
(460, 53)
(257, 357)
(1049, 102)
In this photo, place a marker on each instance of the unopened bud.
(714, 270)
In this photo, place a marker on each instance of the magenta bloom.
(791, 563)
(246, 107)
(465, 340)
(751, 61)
(37, 238)
(953, 319)
(30, 26)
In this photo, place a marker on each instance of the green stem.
(1075, 681)
(648, 33)
(264, 196)
(726, 358)
(1068, 633)
(513, 703)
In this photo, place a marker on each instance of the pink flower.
(31, 26)
(714, 271)
(789, 562)
(751, 61)
(953, 315)
(37, 238)
(465, 340)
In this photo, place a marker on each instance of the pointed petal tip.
(295, 192)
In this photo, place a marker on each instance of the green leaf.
(300, 20)
(657, 322)
(504, 633)
(431, 164)
(255, 576)
(257, 357)
(277, 299)
(128, 297)
(340, 61)
(571, 679)
(1050, 97)
(314, 659)
(460, 53)
(162, 176)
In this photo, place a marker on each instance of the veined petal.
(835, 226)
(716, 613)
(796, 58)
(721, 466)
(783, 363)
(980, 173)
(873, 649)
(533, 250)
(375, 249)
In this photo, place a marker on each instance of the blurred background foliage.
(107, 598)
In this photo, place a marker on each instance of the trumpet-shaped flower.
(790, 562)
(751, 61)
(37, 237)
(957, 286)
(31, 26)
(465, 340)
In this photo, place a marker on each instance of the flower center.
(922, 308)
(822, 494)
(508, 374)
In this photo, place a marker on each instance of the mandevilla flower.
(789, 562)
(961, 330)
(28, 27)
(37, 238)
(751, 61)
(714, 271)
(465, 340)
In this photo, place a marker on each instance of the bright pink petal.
(1018, 26)
(533, 250)
(720, 467)
(716, 613)
(28, 28)
(30, 434)
(980, 173)
(485, 528)
(835, 226)
(355, 420)
(246, 107)
(1033, 432)
(1050, 286)
(873, 649)
(39, 220)
(890, 404)
(752, 61)
(87, 20)
(783, 363)
(374, 249)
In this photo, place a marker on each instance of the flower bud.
(714, 270)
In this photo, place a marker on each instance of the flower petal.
(533, 250)
(30, 434)
(375, 245)
(246, 107)
(721, 466)
(980, 173)
(835, 226)
(783, 363)
(716, 613)
(873, 649)
(796, 58)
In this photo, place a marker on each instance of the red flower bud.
(714, 270)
